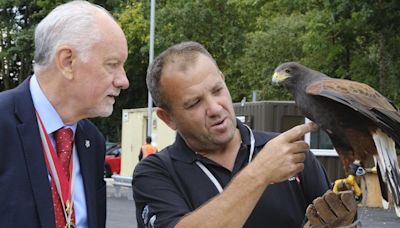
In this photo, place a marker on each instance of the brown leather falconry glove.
(332, 210)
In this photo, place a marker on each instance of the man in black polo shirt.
(218, 172)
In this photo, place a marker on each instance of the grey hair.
(183, 55)
(72, 23)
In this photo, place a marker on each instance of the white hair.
(73, 23)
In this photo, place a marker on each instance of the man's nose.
(213, 107)
(121, 81)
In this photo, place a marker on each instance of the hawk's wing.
(368, 102)
(363, 99)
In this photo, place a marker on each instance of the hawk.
(361, 123)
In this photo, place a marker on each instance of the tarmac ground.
(120, 208)
(121, 212)
(373, 217)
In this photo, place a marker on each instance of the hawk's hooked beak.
(278, 77)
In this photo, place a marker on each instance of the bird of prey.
(361, 123)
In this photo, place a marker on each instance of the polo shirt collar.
(180, 150)
(260, 139)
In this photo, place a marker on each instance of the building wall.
(275, 116)
(279, 116)
(134, 132)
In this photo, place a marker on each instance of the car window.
(116, 151)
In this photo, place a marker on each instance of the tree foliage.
(356, 40)
(17, 19)
(136, 27)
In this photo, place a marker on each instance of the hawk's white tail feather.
(388, 165)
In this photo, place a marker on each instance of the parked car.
(112, 164)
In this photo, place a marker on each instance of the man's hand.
(332, 210)
(283, 156)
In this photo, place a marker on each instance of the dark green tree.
(136, 28)
(356, 40)
(17, 20)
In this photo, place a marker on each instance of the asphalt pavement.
(372, 217)
(120, 208)
(121, 212)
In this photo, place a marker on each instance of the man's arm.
(281, 158)
(140, 157)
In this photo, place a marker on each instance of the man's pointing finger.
(299, 131)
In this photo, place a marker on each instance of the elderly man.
(52, 158)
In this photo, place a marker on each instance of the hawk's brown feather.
(361, 123)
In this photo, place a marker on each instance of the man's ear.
(64, 58)
(166, 117)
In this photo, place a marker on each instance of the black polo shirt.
(169, 184)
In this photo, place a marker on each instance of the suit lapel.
(88, 171)
(33, 150)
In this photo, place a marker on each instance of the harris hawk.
(361, 123)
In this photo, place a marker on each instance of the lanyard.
(212, 177)
(63, 185)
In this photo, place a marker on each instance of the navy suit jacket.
(25, 195)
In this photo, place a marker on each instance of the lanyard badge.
(63, 184)
(212, 177)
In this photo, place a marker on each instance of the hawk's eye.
(287, 71)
